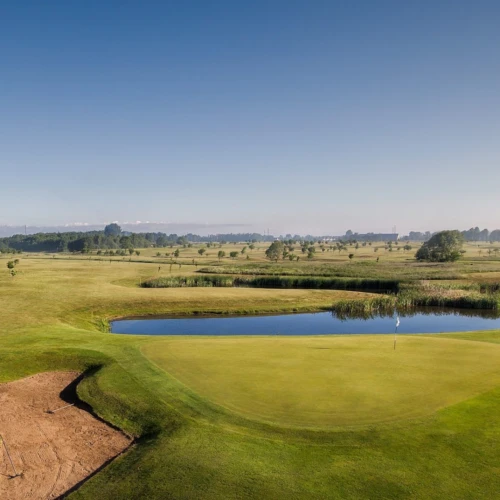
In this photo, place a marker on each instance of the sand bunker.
(54, 452)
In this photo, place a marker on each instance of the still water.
(423, 320)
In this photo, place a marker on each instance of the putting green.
(322, 382)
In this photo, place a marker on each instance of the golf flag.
(397, 321)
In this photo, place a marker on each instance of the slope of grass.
(190, 446)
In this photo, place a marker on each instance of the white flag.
(397, 321)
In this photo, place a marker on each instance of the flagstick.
(396, 331)
(8, 454)
(62, 408)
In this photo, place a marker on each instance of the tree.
(275, 251)
(444, 246)
(201, 251)
(351, 256)
(221, 254)
(125, 242)
(112, 230)
(176, 253)
(233, 255)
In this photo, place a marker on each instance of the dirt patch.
(53, 451)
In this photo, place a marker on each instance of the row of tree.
(476, 234)
(444, 246)
(472, 234)
(113, 238)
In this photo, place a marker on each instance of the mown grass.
(193, 446)
(331, 381)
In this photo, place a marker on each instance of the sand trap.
(56, 451)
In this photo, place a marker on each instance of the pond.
(422, 320)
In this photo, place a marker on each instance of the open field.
(480, 260)
(221, 419)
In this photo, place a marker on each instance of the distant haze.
(183, 229)
(143, 227)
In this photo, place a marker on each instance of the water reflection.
(422, 320)
(416, 311)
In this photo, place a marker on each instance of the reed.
(285, 282)
(364, 309)
(189, 281)
(411, 297)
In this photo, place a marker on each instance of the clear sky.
(298, 116)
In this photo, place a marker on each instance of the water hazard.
(423, 320)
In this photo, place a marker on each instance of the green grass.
(325, 382)
(258, 417)
(387, 269)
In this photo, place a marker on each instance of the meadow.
(259, 417)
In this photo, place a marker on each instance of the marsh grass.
(364, 309)
(468, 296)
(189, 281)
(284, 282)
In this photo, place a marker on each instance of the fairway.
(330, 381)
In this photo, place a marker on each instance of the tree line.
(472, 234)
(113, 238)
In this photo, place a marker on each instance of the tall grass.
(361, 269)
(319, 283)
(408, 300)
(356, 284)
(364, 309)
(189, 281)
(404, 296)
(474, 296)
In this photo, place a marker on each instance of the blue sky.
(303, 116)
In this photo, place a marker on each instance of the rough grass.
(366, 269)
(191, 447)
(286, 282)
(463, 296)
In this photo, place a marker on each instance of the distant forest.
(112, 238)
(472, 234)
